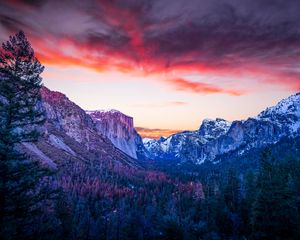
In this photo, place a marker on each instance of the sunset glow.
(166, 64)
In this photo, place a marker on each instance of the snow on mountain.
(112, 130)
(286, 112)
(147, 140)
(216, 137)
(184, 146)
(212, 129)
(290, 105)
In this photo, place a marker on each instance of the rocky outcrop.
(70, 134)
(66, 116)
(212, 129)
(216, 137)
(119, 128)
(186, 146)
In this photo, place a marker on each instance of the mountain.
(212, 129)
(185, 146)
(71, 135)
(102, 192)
(111, 135)
(119, 128)
(216, 137)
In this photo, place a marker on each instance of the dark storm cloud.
(222, 30)
(11, 23)
(216, 35)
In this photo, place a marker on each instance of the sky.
(167, 63)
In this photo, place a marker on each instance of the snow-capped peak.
(216, 137)
(147, 140)
(290, 105)
(287, 111)
(211, 129)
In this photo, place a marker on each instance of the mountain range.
(114, 184)
(217, 137)
(72, 133)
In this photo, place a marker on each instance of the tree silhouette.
(21, 119)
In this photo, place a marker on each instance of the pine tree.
(232, 201)
(21, 118)
(273, 211)
(232, 191)
(246, 202)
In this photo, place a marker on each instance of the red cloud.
(85, 55)
(81, 54)
(124, 36)
(197, 87)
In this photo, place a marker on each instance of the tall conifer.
(21, 118)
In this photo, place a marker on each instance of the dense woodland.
(106, 200)
(116, 203)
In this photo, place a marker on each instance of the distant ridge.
(216, 137)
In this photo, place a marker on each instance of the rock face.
(70, 134)
(119, 128)
(216, 137)
(111, 136)
(66, 116)
(212, 129)
(185, 146)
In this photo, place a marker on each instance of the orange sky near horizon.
(153, 102)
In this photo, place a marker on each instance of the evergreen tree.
(246, 202)
(232, 191)
(273, 211)
(232, 201)
(21, 117)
